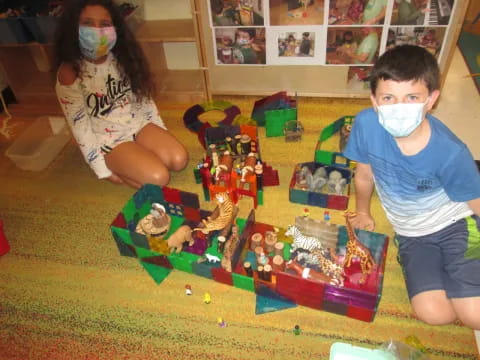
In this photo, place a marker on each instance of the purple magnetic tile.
(349, 297)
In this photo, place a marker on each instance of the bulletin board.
(316, 47)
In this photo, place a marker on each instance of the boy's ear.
(433, 99)
(374, 102)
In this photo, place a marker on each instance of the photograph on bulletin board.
(421, 12)
(295, 46)
(237, 12)
(431, 38)
(240, 46)
(359, 78)
(296, 12)
(353, 45)
(355, 12)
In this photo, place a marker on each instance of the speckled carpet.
(66, 293)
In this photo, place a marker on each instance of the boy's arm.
(475, 206)
(364, 186)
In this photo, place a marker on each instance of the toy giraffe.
(356, 248)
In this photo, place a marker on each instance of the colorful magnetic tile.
(203, 269)
(317, 199)
(298, 196)
(243, 282)
(350, 297)
(140, 197)
(154, 192)
(190, 199)
(181, 261)
(129, 210)
(287, 285)
(334, 307)
(337, 202)
(119, 221)
(122, 235)
(160, 260)
(171, 195)
(192, 214)
(361, 313)
(222, 276)
(123, 248)
(174, 209)
(139, 240)
(309, 301)
(158, 273)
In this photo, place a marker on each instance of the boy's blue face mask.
(96, 42)
(401, 119)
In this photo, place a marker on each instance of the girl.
(106, 92)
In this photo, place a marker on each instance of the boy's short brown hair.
(405, 63)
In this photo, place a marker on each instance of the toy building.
(318, 184)
(259, 257)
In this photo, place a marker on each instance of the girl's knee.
(469, 317)
(179, 160)
(160, 176)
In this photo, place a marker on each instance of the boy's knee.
(469, 318)
(434, 310)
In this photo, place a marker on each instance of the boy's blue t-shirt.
(421, 193)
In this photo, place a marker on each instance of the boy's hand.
(362, 221)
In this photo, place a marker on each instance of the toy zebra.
(301, 241)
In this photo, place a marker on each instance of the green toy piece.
(275, 121)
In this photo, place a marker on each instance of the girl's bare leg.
(136, 165)
(164, 145)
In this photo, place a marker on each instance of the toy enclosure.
(354, 299)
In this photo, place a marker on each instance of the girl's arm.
(72, 102)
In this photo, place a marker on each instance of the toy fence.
(355, 300)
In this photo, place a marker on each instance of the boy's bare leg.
(433, 307)
(468, 311)
(136, 165)
(162, 143)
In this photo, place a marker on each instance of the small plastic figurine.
(188, 290)
(326, 216)
(221, 322)
(296, 330)
(336, 183)
(226, 211)
(207, 299)
(306, 212)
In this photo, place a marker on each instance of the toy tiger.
(226, 210)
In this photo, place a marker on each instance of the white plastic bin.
(40, 143)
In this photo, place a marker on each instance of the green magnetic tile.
(158, 273)
(324, 157)
(183, 261)
(298, 196)
(142, 252)
(129, 210)
(154, 193)
(124, 235)
(241, 223)
(260, 197)
(124, 249)
(243, 282)
(286, 251)
(144, 210)
(175, 223)
(327, 132)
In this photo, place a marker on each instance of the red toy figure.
(249, 166)
(224, 168)
(4, 246)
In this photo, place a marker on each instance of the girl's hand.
(362, 221)
(115, 179)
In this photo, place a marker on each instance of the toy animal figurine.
(329, 268)
(181, 235)
(301, 175)
(230, 247)
(356, 249)
(344, 135)
(301, 241)
(226, 211)
(336, 182)
(225, 166)
(248, 167)
(156, 223)
(317, 180)
(308, 273)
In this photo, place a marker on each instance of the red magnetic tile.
(261, 228)
(360, 313)
(192, 214)
(337, 202)
(172, 195)
(308, 288)
(312, 302)
(222, 276)
(120, 221)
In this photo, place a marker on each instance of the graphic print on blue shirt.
(102, 104)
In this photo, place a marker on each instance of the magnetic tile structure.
(259, 260)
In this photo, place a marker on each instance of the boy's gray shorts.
(437, 261)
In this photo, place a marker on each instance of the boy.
(246, 49)
(427, 182)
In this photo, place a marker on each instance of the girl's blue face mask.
(96, 42)
(401, 119)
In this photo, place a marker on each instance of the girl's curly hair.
(127, 50)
